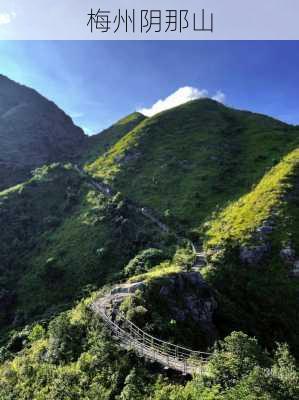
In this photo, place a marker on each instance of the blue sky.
(98, 82)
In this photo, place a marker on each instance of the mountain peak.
(33, 131)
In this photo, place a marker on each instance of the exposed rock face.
(265, 229)
(189, 297)
(253, 255)
(33, 131)
(296, 269)
(288, 255)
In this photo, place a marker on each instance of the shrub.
(144, 261)
(65, 339)
(234, 358)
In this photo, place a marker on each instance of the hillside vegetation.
(100, 143)
(124, 205)
(274, 200)
(253, 250)
(61, 235)
(188, 161)
(74, 358)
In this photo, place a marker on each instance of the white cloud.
(219, 96)
(6, 18)
(180, 96)
(177, 98)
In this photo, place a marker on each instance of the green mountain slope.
(100, 143)
(188, 161)
(274, 201)
(191, 162)
(228, 177)
(61, 235)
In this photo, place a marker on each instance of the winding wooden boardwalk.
(131, 337)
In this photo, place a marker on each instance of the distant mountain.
(33, 132)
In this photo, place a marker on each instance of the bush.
(37, 332)
(234, 358)
(144, 261)
(184, 258)
(65, 339)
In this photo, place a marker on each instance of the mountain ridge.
(227, 180)
(33, 132)
(194, 148)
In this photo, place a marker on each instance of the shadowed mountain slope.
(33, 132)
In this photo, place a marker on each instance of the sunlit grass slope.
(274, 200)
(100, 143)
(188, 161)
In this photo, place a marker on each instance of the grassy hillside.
(273, 201)
(188, 161)
(100, 143)
(61, 235)
(258, 293)
(230, 177)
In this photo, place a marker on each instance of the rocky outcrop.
(127, 288)
(189, 298)
(254, 254)
(33, 132)
(296, 269)
(288, 255)
(184, 297)
(290, 260)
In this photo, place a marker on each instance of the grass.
(160, 271)
(267, 201)
(99, 144)
(189, 161)
(63, 237)
(201, 162)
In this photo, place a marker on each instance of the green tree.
(234, 358)
(65, 339)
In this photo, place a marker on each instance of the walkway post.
(134, 338)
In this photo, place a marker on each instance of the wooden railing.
(131, 336)
(167, 354)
